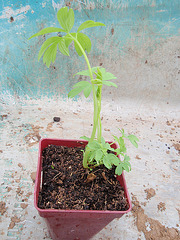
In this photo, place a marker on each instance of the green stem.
(96, 108)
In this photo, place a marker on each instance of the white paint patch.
(9, 12)
(148, 226)
(57, 5)
(44, 4)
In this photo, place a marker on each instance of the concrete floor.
(153, 182)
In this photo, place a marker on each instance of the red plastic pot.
(74, 224)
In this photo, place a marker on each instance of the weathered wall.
(140, 45)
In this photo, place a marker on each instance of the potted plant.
(70, 214)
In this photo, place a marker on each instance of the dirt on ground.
(150, 193)
(152, 229)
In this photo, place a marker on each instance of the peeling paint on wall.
(135, 30)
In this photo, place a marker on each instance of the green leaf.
(85, 138)
(98, 155)
(81, 84)
(119, 170)
(106, 162)
(63, 48)
(103, 142)
(85, 43)
(94, 145)
(87, 91)
(125, 167)
(74, 92)
(114, 159)
(126, 158)
(86, 72)
(50, 54)
(47, 30)
(133, 139)
(66, 18)
(121, 143)
(108, 147)
(92, 156)
(46, 44)
(108, 83)
(85, 86)
(107, 75)
(68, 40)
(89, 24)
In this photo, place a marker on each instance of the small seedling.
(97, 151)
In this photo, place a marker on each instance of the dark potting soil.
(67, 185)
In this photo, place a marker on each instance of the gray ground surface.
(153, 182)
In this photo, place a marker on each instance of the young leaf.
(66, 18)
(107, 75)
(68, 40)
(125, 167)
(74, 92)
(84, 86)
(108, 83)
(46, 30)
(98, 155)
(50, 54)
(63, 48)
(92, 156)
(114, 159)
(87, 91)
(89, 24)
(85, 43)
(94, 145)
(133, 139)
(119, 170)
(106, 162)
(86, 72)
(46, 44)
(85, 138)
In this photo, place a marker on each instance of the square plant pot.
(74, 224)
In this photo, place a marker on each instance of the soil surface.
(67, 185)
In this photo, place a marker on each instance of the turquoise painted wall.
(127, 21)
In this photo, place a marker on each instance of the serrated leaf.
(81, 84)
(85, 43)
(86, 87)
(103, 141)
(106, 162)
(87, 91)
(85, 138)
(91, 156)
(121, 143)
(114, 159)
(118, 170)
(89, 24)
(46, 44)
(126, 158)
(74, 92)
(47, 30)
(125, 167)
(128, 164)
(63, 48)
(108, 83)
(50, 54)
(86, 72)
(94, 145)
(107, 75)
(68, 40)
(133, 139)
(98, 155)
(66, 18)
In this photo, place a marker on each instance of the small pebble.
(56, 119)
